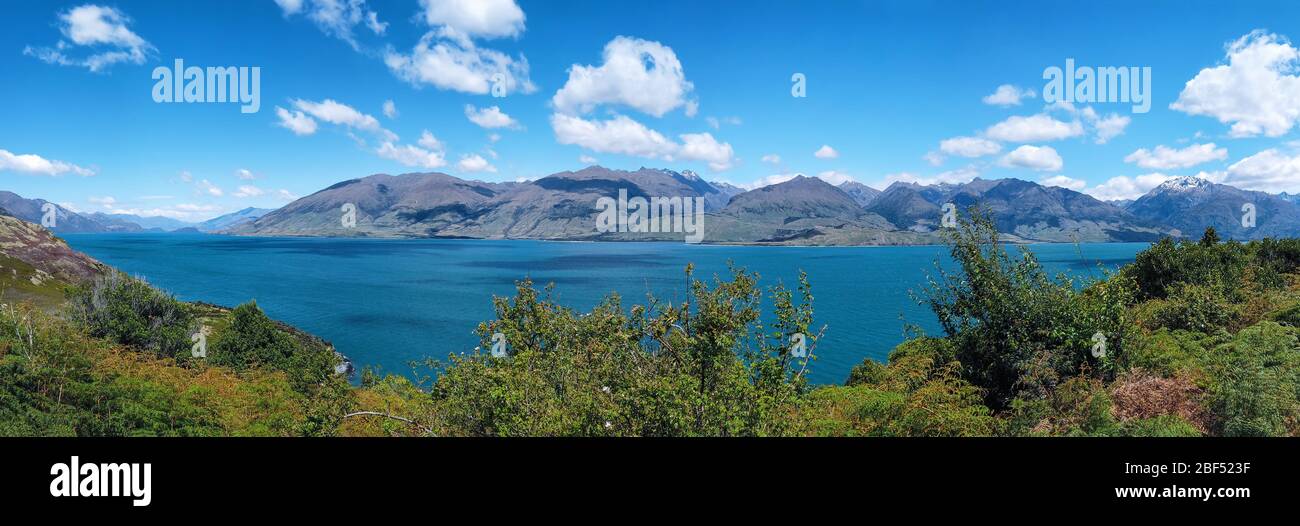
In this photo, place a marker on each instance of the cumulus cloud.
(1270, 171)
(587, 159)
(1007, 95)
(390, 109)
(826, 152)
(1039, 158)
(1104, 128)
(474, 18)
(244, 175)
(248, 191)
(100, 31)
(1254, 90)
(771, 158)
(1065, 182)
(969, 146)
(429, 153)
(460, 66)
(207, 187)
(490, 117)
(957, 176)
(336, 18)
(295, 121)
(703, 147)
(475, 163)
(1035, 128)
(640, 74)
(303, 119)
(1166, 158)
(30, 163)
(448, 58)
(622, 135)
(1127, 188)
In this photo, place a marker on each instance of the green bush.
(130, 312)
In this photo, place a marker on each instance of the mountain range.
(799, 211)
(802, 210)
(67, 221)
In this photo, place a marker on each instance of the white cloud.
(296, 122)
(244, 175)
(1254, 91)
(1166, 158)
(1008, 95)
(34, 164)
(106, 201)
(1268, 171)
(285, 195)
(474, 18)
(1035, 128)
(620, 135)
(640, 74)
(429, 154)
(1065, 182)
(969, 146)
(835, 177)
(1039, 158)
(427, 140)
(587, 159)
(248, 191)
(336, 18)
(491, 117)
(771, 158)
(1110, 126)
(957, 176)
(102, 29)
(1123, 187)
(826, 152)
(475, 163)
(334, 112)
(211, 189)
(460, 66)
(703, 147)
(390, 109)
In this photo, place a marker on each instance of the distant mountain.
(1022, 211)
(558, 206)
(229, 220)
(32, 210)
(116, 223)
(153, 223)
(860, 193)
(804, 210)
(1190, 204)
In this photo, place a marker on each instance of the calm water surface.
(387, 302)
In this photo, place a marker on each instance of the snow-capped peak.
(1184, 183)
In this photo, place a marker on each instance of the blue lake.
(388, 302)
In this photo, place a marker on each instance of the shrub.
(127, 310)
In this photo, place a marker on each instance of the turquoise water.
(387, 302)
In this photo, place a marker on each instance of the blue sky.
(887, 83)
